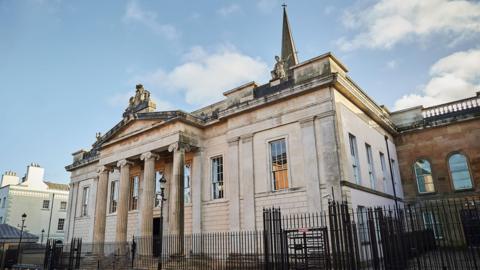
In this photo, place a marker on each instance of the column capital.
(307, 121)
(179, 146)
(149, 155)
(124, 162)
(104, 169)
(233, 141)
(246, 138)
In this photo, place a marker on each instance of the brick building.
(438, 150)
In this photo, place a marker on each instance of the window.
(423, 173)
(395, 175)
(84, 211)
(134, 181)
(460, 172)
(384, 171)
(61, 223)
(362, 225)
(432, 223)
(158, 191)
(46, 204)
(371, 170)
(113, 196)
(1, 220)
(278, 154)
(63, 205)
(354, 156)
(217, 177)
(187, 182)
(4, 202)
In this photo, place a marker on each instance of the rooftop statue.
(141, 102)
(280, 69)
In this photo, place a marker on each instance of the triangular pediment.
(133, 127)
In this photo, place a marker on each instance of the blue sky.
(67, 68)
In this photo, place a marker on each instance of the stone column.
(123, 198)
(233, 185)
(310, 164)
(146, 203)
(101, 206)
(148, 194)
(328, 157)
(176, 205)
(248, 182)
(197, 192)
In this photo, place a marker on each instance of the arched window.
(460, 172)
(423, 173)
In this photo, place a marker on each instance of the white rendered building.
(44, 203)
(308, 135)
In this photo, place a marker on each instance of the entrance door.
(157, 237)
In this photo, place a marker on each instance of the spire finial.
(289, 53)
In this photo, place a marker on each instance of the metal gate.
(307, 248)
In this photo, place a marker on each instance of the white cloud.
(204, 76)
(135, 13)
(389, 22)
(392, 64)
(453, 77)
(228, 10)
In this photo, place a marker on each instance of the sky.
(67, 68)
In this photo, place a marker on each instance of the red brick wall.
(435, 144)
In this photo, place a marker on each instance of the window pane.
(187, 183)
(460, 172)
(423, 174)
(217, 177)
(278, 152)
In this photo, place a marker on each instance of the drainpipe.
(391, 173)
(50, 220)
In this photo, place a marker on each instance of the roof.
(57, 186)
(10, 233)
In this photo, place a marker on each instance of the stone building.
(308, 135)
(44, 203)
(439, 150)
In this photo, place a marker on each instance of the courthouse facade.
(308, 135)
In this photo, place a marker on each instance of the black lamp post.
(24, 216)
(41, 239)
(162, 181)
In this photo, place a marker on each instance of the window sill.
(133, 211)
(45, 209)
(427, 193)
(82, 217)
(463, 190)
(216, 201)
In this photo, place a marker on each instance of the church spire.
(289, 53)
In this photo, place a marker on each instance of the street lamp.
(41, 239)
(24, 216)
(162, 182)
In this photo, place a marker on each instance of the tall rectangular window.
(158, 191)
(431, 222)
(362, 220)
(371, 169)
(113, 196)
(354, 158)
(217, 177)
(4, 201)
(46, 204)
(188, 184)
(279, 169)
(134, 182)
(394, 174)
(63, 205)
(384, 171)
(61, 224)
(85, 194)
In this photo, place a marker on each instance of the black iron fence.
(434, 235)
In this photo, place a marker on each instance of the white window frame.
(85, 201)
(451, 171)
(423, 176)
(63, 225)
(213, 183)
(63, 203)
(134, 194)
(158, 176)
(46, 202)
(187, 190)
(383, 164)
(433, 223)
(353, 149)
(114, 190)
(270, 164)
(371, 167)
